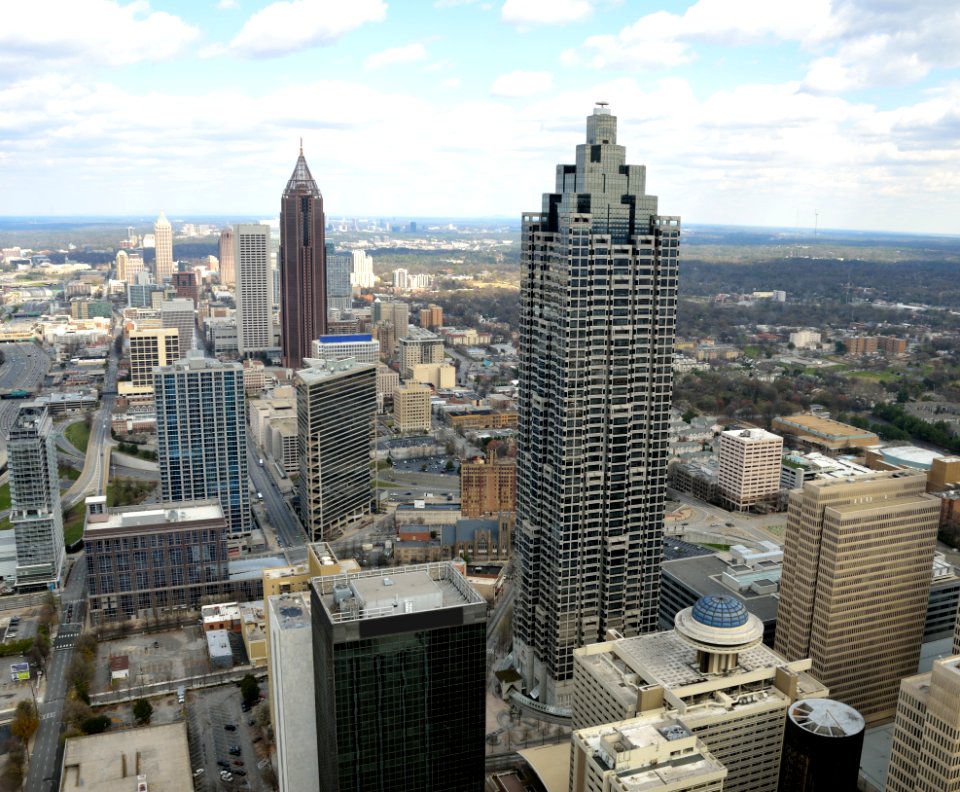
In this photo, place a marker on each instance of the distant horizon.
(120, 219)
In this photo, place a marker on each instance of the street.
(43, 774)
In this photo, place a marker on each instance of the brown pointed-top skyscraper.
(303, 266)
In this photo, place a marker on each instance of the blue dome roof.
(720, 610)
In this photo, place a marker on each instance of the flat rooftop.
(826, 428)
(170, 515)
(650, 754)
(111, 762)
(289, 611)
(384, 593)
(665, 659)
(703, 574)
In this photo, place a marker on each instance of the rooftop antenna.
(301, 147)
(816, 223)
(603, 104)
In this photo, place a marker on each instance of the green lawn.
(875, 376)
(73, 524)
(127, 491)
(79, 435)
(64, 471)
(5, 497)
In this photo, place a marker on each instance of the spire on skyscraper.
(302, 180)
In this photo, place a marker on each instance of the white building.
(254, 288)
(361, 348)
(291, 692)
(362, 276)
(805, 339)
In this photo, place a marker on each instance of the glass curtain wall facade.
(202, 436)
(598, 314)
(35, 510)
(303, 269)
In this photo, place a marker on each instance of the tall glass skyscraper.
(303, 270)
(202, 435)
(598, 315)
(35, 498)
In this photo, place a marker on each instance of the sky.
(747, 112)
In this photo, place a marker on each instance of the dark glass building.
(303, 269)
(598, 306)
(399, 660)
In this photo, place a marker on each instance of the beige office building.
(749, 471)
(648, 754)
(163, 234)
(180, 313)
(148, 348)
(419, 346)
(713, 675)
(411, 408)
(925, 753)
(228, 269)
(440, 375)
(855, 583)
(388, 381)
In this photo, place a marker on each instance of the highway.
(96, 466)
(43, 774)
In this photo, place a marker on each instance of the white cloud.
(42, 33)
(226, 5)
(544, 12)
(754, 154)
(451, 83)
(291, 25)
(522, 83)
(410, 53)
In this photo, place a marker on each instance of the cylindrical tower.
(821, 747)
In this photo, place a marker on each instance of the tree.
(25, 723)
(249, 689)
(142, 711)
(95, 724)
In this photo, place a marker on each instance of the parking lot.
(435, 464)
(154, 657)
(223, 738)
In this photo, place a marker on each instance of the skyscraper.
(228, 271)
(254, 288)
(336, 407)
(925, 753)
(202, 435)
(163, 234)
(400, 680)
(151, 347)
(598, 312)
(35, 498)
(339, 292)
(303, 271)
(856, 579)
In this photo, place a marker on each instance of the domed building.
(719, 627)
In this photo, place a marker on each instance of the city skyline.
(795, 115)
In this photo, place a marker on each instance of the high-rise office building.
(180, 314)
(185, 283)
(411, 408)
(397, 313)
(228, 270)
(303, 271)
(488, 488)
(855, 583)
(336, 409)
(202, 435)
(821, 747)
(147, 560)
(35, 510)
(291, 676)
(141, 290)
(399, 659)
(713, 675)
(598, 313)
(749, 473)
(151, 347)
(254, 288)
(431, 317)
(339, 291)
(361, 274)
(120, 263)
(925, 753)
(163, 234)
(418, 346)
